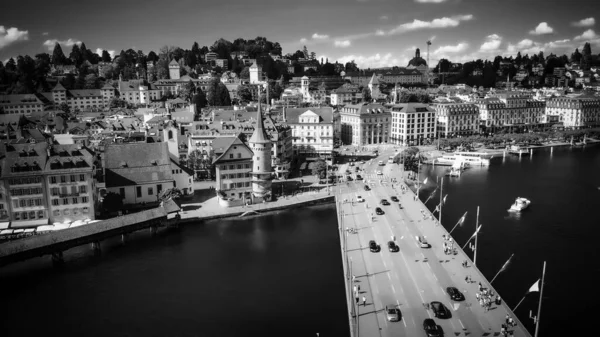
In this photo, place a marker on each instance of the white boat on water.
(519, 205)
(467, 158)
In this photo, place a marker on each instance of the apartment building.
(455, 119)
(412, 123)
(365, 123)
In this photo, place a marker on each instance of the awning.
(29, 223)
(4, 225)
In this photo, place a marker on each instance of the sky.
(373, 33)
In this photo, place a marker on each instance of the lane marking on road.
(404, 321)
(442, 288)
(393, 289)
(461, 323)
(453, 327)
(389, 277)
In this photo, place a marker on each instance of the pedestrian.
(466, 279)
(353, 278)
(480, 287)
(355, 289)
(506, 318)
(359, 288)
(357, 299)
(364, 301)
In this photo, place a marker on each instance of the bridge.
(413, 277)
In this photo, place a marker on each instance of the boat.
(519, 205)
(456, 169)
(467, 158)
(518, 150)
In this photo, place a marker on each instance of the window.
(65, 201)
(53, 180)
(74, 201)
(231, 156)
(158, 188)
(84, 200)
(40, 214)
(24, 215)
(38, 202)
(82, 177)
(54, 202)
(17, 216)
(150, 191)
(82, 189)
(122, 192)
(63, 179)
(22, 203)
(32, 215)
(239, 155)
(72, 178)
(138, 191)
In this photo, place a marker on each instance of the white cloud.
(587, 35)
(64, 43)
(316, 36)
(588, 22)
(379, 32)
(12, 35)
(492, 42)
(461, 47)
(303, 40)
(542, 29)
(110, 52)
(430, 1)
(444, 22)
(45, 33)
(383, 17)
(374, 61)
(342, 44)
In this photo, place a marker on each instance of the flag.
(535, 287)
(506, 264)
(462, 219)
(476, 231)
(437, 209)
(425, 181)
(444, 201)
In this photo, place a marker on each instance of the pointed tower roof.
(173, 63)
(59, 87)
(374, 79)
(259, 136)
(254, 65)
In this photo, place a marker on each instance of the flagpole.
(501, 269)
(537, 321)
(519, 303)
(441, 196)
(458, 223)
(476, 235)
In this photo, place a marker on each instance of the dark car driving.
(394, 199)
(373, 246)
(455, 294)
(367, 188)
(358, 177)
(379, 211)
(384, 202)
(393, 247)
(440, 310)
(431, 329)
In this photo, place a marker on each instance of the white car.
(360, 199)
(379, 173)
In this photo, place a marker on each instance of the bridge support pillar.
(96, 247)
(153, 230)
(124, 239)
(57, 259)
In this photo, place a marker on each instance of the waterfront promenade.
(413, 277)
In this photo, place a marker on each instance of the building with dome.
(417, 60)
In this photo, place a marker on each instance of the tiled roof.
(326, 114)
(230, 141)
(137, 163)
(411, 108)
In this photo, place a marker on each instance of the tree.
(112, 202)
(224, 94)
(245, 73)
(117, 103)
(91, 81)
(187, 90)
(576, 56)
(586, 57)
(305, 52)
(58, 57)
(319, 169)
(152, 57)
(276, 91)
(199, 100)
(351, 66)
(106, 56)
(244, 93)
(366, 95)
(64, 107)
(76, 55)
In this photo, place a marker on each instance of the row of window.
(26, 191)
(27, 202)
(236, 185)
(31, 215)
(74, 201)
(234, 167)
(74, 211)
(63, 179)
(235, 175)
(63, 190)
(25, 181)
(138, 190)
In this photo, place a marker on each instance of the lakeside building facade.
(364, 124)
(574, 112)
(455, 119)
(45, 183)
(233, 167)
(346, 94)
(412, 123)
(510, 111)
(312, 131)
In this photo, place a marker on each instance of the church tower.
(374, 87)
(260, 144)
(418, 53)
(305, 88)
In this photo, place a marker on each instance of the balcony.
(66, 195)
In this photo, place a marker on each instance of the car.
(394, 199)
(455, 294)
(423, 242)
(360, 199)
(379, 211)
(431, 329)
(358, 177)
(367, 188)
(348, 172)
(392, 313)
(393, 247)
(362, 161)
(373, 246)
(381, 163)
(400, 206)
(356, 168)
(349, 178)
(384, 202)
(379, 173)
(440, 310)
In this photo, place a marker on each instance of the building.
(174, 68)
(210, 56)
(222, 63)
(233, 163)
(412, 123)
(510, 110)
(256, 75)
(456, 119)
(22, 104)
(346, 94)
(312, 130)
(46, 183)
(401, 76)
(365, 123)
(139, 172)
(260, 144)
(574, 112)
(83, 99)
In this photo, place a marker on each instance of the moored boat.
(519, 205)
